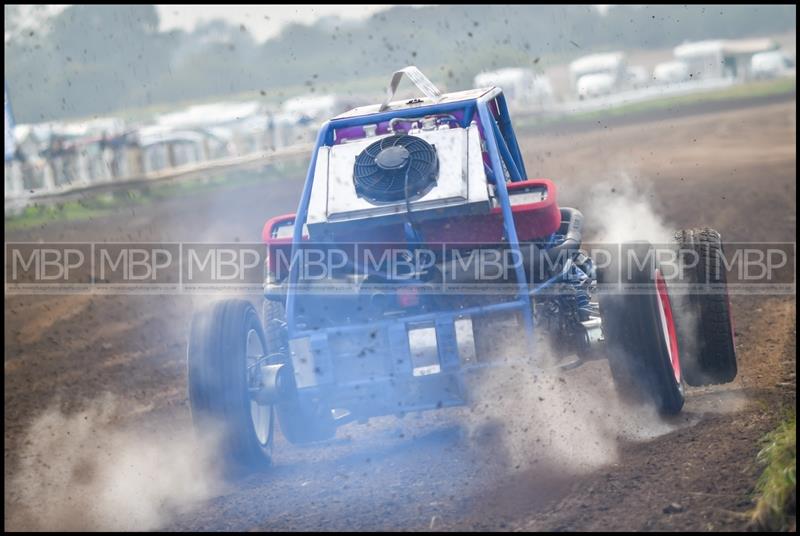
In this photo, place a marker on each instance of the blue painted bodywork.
(491, 113)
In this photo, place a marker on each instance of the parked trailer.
(612, 66)
(522, 87)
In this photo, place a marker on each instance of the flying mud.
(97, 427)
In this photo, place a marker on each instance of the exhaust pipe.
(277, 385)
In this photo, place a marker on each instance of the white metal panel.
(452, 186)
(317, 207)
(478, 187)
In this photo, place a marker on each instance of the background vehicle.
(638, 77)
(595, 85)
(671, 72)
(599, 74)
(772, 65)
(520, 86)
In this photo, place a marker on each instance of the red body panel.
(532, 220)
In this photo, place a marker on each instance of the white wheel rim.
(260, 415)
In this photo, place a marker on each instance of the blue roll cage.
(501, 144)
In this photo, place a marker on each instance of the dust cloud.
(574, 420)
(618, 209)
(549, 417)
(89, 471)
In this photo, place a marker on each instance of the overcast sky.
(263, 21)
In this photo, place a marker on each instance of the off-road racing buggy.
(419, 249)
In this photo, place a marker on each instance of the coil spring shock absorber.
(580, 275)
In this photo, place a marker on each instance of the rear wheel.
(640, 332)
(300, 423)
(226, 347)
(705, 321)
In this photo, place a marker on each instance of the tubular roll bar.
(502, 147)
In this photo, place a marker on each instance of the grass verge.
(777, 487)
(749, 90)
(93, 206)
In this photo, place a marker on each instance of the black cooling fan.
(380, 170)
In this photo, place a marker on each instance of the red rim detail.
(669, 324)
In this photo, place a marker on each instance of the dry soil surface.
(573, 459)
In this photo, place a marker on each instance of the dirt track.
(733, 170)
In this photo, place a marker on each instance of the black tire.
(638, 349)
(300, 424)
(219, 380)
(705, 325)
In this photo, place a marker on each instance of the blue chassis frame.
(502, 147)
